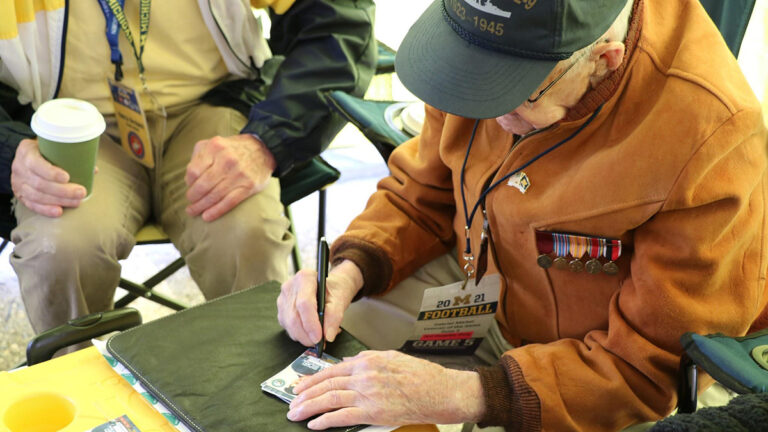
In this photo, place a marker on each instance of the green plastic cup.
(68, 132)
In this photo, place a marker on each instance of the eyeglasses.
(554, 81)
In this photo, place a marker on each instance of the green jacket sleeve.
(326, 45)
(14, 127)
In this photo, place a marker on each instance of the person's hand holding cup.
(56, 170)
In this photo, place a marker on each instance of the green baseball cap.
(483, 58)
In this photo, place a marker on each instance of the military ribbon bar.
(561, 244)
(613, 249)
(578, 246)
(599, 252)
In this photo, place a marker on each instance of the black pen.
(322, 274)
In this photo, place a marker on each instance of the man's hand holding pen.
(297, 308)
(373, 387)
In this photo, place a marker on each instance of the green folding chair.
(372, 118)
(731, 17)
(385, 62)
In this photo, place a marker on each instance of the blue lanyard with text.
(115, 15)
(469, 267)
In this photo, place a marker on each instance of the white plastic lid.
(413, 117)
(68, 121)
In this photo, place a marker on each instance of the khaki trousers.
(385, 322)
(69, 266)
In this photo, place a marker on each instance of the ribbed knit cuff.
(509, 400)
(372, 261)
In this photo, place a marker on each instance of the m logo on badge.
(457, 300)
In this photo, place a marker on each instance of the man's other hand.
(297, 302)
(224, 171)
(387, 388)
(41, 186)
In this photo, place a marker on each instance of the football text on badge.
(487, 308)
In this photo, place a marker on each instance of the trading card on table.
(282, 383)
(120, 424)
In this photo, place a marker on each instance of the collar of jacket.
(607, 87)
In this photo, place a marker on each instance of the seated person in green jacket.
(597, 175)
(228, 112)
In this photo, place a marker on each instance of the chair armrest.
(302, 181)
(80, 329)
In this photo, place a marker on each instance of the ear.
(608, 57)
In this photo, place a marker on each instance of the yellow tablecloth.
(77, 392)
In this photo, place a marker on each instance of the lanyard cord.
(115, 17)
(112, 31)
(468, 217)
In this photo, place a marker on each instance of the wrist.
(470, 399)
(373, 263)
(267, 157)
(350, 271)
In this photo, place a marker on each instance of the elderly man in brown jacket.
(615, 185)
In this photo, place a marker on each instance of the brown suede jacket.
(673, 165)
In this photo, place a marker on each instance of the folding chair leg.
(321, 204)
(145, 290)
(321, 199)
(688, 383)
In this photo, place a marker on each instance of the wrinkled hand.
(387, 388)
(224, 171)
(297, 302)
(41, 186)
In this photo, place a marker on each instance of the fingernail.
(291, 415)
